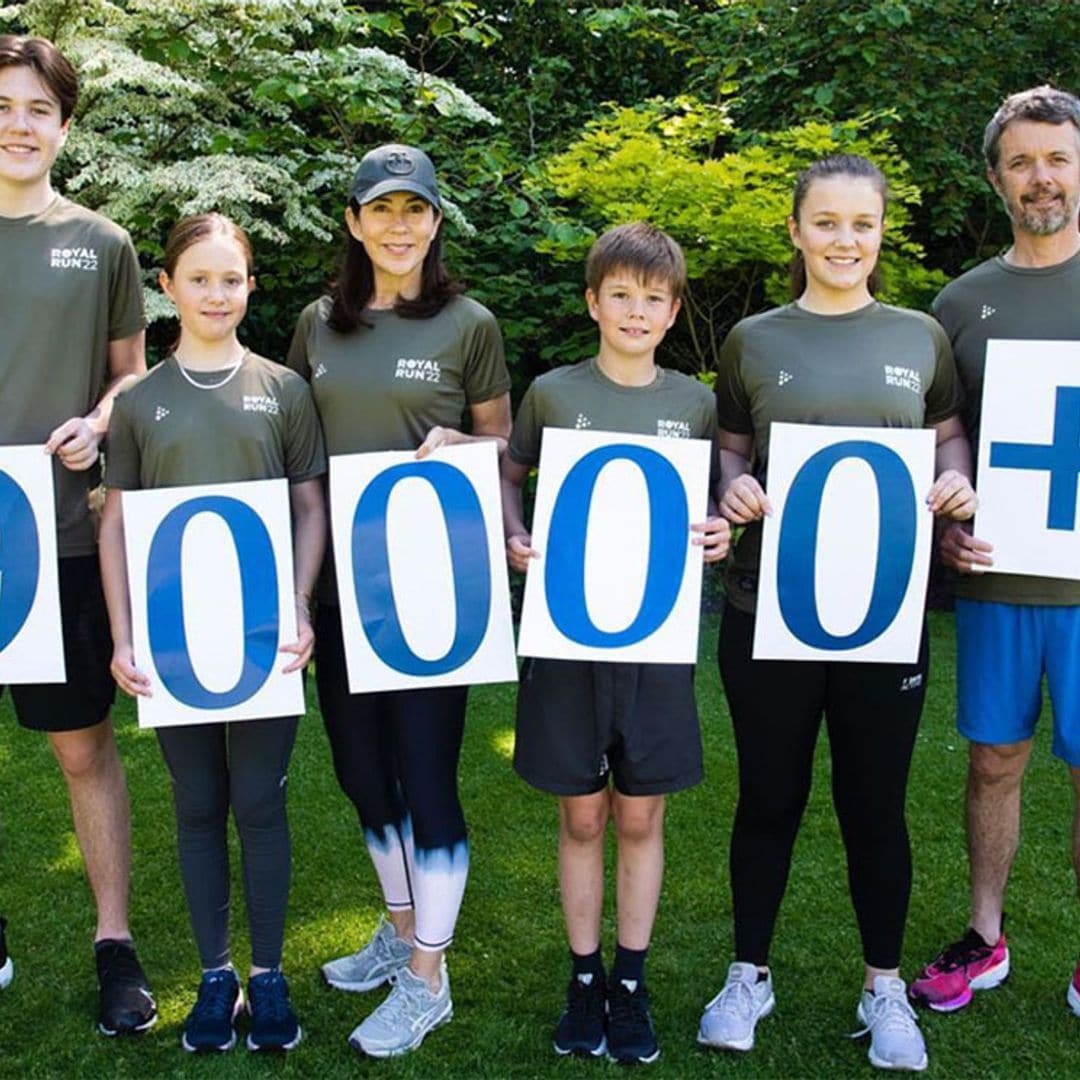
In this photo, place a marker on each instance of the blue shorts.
(1002, 653)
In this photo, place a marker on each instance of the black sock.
(629, 965)
(591, 964)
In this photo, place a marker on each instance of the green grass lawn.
(509, 965)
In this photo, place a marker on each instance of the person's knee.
(584, 822)
(259, 806)
(638, 819)
(84, 753)
(1000, 767)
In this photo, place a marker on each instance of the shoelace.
(889, 1012)
(214, 993)
(270, 996)
(584, 1000)
(736, 999)
(120, 962)
(628, 1009)
(404, 1002)
(960, 954)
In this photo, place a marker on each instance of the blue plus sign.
(1061, 459)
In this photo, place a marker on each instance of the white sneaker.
(410, 1011)
(895, 1039)
(7, 968)
(730, 1018)
(379, 961)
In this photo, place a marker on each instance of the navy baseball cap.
(394, 167)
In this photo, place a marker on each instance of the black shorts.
(578, 720)
(84, 700)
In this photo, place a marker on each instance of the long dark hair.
(852, 165)
(354, 285)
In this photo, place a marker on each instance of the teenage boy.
(1010, 628)
(72, 337)
(580, 724)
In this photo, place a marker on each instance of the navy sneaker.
(273, 1022)
(125, 1002)
(630, 1038)
(581, 1027)
(210, 1024)
(7, 968)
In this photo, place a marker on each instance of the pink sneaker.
(1073, 996)
(947, 982)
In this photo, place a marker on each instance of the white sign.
(210, 575)
(421, 570)
(1029, 457)
(31, 638)
(618, 578)
(846, 553)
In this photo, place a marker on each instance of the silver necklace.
(210, 386)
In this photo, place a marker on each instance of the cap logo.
(399, 164)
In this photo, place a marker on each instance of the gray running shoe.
(730, 1018)
(379, 961)
(895, 1039)
(400, 1023)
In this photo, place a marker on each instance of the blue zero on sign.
(564, 573)
(469, 560)
(797, 554)
(20, 559)
(259, 599)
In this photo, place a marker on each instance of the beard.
(1042, 220)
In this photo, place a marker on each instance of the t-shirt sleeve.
(122, 458)
(299, 347)
(126, 316)
(305, 454)
(484, 374)
(732, 402)
(945, 396)
(524, 446)
(710, 429)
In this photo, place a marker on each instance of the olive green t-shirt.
(880, 366)
(385, 386)
(581, 396)
(259, 425)
(69, 284)
(996, 300)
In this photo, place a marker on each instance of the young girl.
(396, 357)
(833, 341)
(184, 423)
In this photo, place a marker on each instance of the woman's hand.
(305, 638)
(519, 551)
(715, 538)
(962, 551)
(745, 501)
(439, 436)
(127, 676)
(952, 496)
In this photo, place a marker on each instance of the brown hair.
(644, 250)
(858, 168)
(50, 65)
(190, 230)
(1042, 103)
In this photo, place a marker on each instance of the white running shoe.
(410, 1011)
(7, 968)
(730, 1018)
(886, 1015)
(378, 962)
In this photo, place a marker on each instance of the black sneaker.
(7, 968)
(273, 1022)
(209, 1025)
(125, 1002)
(630, 1032)
(581, 1027)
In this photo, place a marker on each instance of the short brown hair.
(51, 66)
(642, 249)
(1042, 103)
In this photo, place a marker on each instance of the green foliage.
(681, 165)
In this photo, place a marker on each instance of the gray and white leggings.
(242, 765)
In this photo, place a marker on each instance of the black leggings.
(872, 713)
(243, 765)
(396, 758)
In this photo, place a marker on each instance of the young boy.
(71, 298)
(579, 723)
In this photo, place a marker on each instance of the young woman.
(189, 421)
(397, 357)
(823, 359)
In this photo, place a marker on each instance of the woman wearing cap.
(396, 754)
